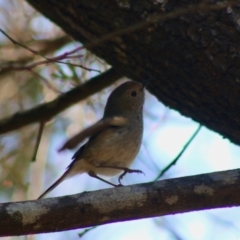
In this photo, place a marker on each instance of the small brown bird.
(114, 141)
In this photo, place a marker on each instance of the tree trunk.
(191, 57)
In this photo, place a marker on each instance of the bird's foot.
(128, 170)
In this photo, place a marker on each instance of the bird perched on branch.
(114, 141)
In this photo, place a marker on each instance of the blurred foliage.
(23, 89)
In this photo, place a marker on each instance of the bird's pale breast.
(115, 146)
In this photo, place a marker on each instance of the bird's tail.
(62, 178)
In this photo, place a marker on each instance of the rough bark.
(179, 195)
(193, 60)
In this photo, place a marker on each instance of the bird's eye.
(133, 93)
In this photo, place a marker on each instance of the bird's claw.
(127, 170)
(119, 185)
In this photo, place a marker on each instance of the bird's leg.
(93, 174)
(125, 171)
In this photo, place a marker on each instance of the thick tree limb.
(45, 112)
(193, 59)
(179, 195)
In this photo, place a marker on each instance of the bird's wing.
(92, 130)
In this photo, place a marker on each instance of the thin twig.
(66, 55)
(81, 234)
(79, 65)
(49, 61)
(20, 44)
(45, 81)
(39, 136)
(45, 47)
(74, 56)
(174, 161)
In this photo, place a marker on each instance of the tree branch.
(179, 195)
(44, 112)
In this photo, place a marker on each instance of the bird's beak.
(145, 83)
